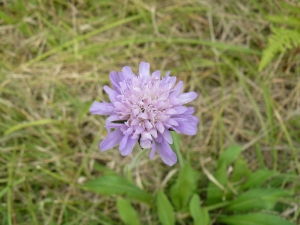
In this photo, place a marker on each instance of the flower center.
(143, 103)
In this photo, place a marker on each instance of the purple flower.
(144, 109)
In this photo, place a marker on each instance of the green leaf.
(215, 193)
(184, 187)
(257, 199)
(176, 146)
(254, 219)
(229, 155)
(165, 209)
(104, 169)
(257, 178)
(199, 214)
(284, 19)
(280, 41)
(240, 170)
(127, 213)
(114, 184)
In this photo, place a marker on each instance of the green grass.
(55, 57)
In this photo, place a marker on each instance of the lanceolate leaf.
(257, 199)
(127, 213)
(214, 192)
(240, 170)
(184, 187)
(254, 219)
(229, 155)
(199, 214)
(114, 184)
(257, 178)
(165, 209)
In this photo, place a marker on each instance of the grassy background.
(55, 57)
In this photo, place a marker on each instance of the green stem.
(176, 147)
(129, 167)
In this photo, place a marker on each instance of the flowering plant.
(144, 109)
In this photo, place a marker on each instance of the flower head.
(144, 109)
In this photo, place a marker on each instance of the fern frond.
(291, 8)
(284, 19)
(280, 41)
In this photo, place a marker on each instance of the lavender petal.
(123, 142)
(112, 94)
(181, 109)
(167, 136)
(111, 140)
(101, 108)
(127, 72)
(160, 127)
(127, 149)
(115, 80)
(166, 153)
(152, 153)
(156, 74)
(188, 127)
(177, 89)
(187, 97)
(183, 98)
(144, 69)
